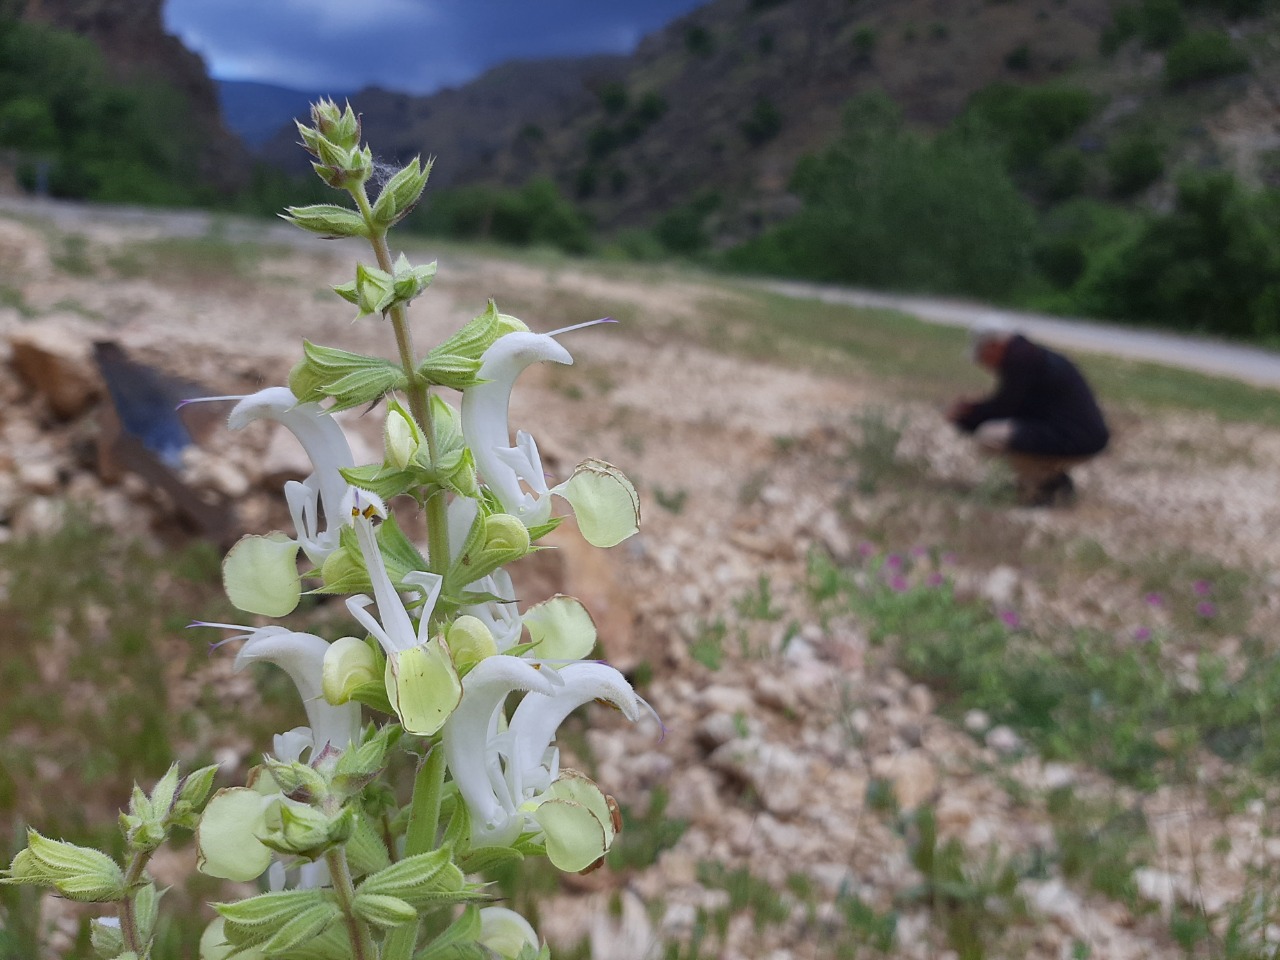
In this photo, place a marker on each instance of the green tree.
(1211, 264)
(886, 207)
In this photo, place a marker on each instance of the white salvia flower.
(484, 424)
(396, 631)
(604, 501)
(421, 680)
(510, 779)
(301, 655)
(326, 445)
(228, 841)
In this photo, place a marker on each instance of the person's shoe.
(1059, 491)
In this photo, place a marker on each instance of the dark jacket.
(1053, 409)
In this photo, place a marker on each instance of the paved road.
(1202, 354)
(1249, 364)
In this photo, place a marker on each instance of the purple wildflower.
(935, 580)
(1202, 588)
(1142, 634)
(898, 583)
(1010, 619)
(893, 561)
(866, 549)
(1154, 599)
(1206, 609)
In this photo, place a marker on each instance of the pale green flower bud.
(469, 642)
(349, 664)
(77, 873)
(400, 437)
(295, 828)
(297, 780)
(507, 534)
(336, 124)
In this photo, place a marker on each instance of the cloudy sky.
(416, 46)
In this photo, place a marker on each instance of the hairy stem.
(133, 939)
(357, 930)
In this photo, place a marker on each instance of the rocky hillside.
(500, 118)
(133, 40)
(717, 107)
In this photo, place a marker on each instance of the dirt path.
(1202, 354)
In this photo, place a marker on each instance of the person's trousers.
(1032, 471)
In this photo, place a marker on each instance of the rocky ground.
(799, 753)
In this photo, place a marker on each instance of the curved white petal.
(320, 435)
(502, 618)
(484, 423)
(536, 719)
(467, 734)
(301, 655)
(396, 631)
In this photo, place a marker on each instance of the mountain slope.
(255, 112)
(469, 129)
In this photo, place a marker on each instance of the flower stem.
(343, 888)
(424, 820)
(133, 938)
(419, 393)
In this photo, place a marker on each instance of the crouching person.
(1042, 416)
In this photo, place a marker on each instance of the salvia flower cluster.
(438, 649)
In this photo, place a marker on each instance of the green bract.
(260, 575)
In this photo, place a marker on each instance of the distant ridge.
(255, 111)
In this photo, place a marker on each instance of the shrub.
(1028, 120)
(1212, 263)
(1206, 55)
(1133, 164)
(614, 97)
(1160, 23)
(651, 108)
(534, 214)
(1018, 59)
(763, 123)
(864, 44)
(1063, 174)
(1061, 260)
(884, 207)
(699, 41)
(683, 230)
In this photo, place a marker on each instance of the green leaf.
(328, 220)
(480, 859)
(414, 877)
(306, 926)
(366, 851)
(401, 193)
(577, 821)
(378, 478)
(270, 909)
(456, 940)
(384, 911)
(260, 575)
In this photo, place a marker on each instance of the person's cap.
(987, 328)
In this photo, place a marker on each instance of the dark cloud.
(412, 45)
